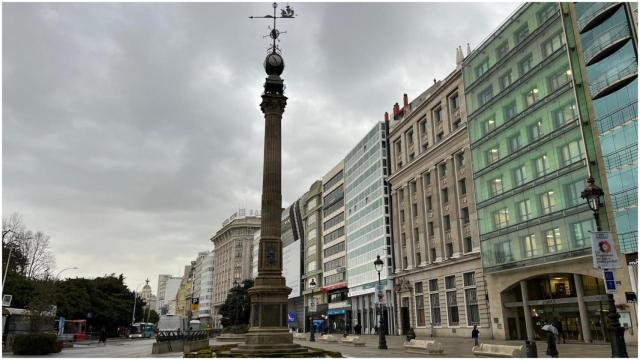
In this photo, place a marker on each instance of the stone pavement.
(461, 347)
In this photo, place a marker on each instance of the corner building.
(368, 228)
(438, 275)
(529, 136)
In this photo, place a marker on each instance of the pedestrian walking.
(558, 326)
(475, 334)
(552, 349)
(103, 336)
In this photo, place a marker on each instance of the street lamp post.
(382, 341)
(312, 286)
(592, 193)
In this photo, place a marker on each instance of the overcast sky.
(131, 131)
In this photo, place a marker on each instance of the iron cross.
(286, 13)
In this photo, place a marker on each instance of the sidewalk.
(460, 347)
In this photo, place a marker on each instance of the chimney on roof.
(386, 116)
(396, 110)
(434, 81)
(468, 49)
(405, 98)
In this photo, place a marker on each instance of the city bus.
(141, 330)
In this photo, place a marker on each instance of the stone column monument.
(268, 332)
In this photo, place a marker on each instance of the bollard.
(531, 349)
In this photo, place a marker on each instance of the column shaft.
(582, 307)
(527, 312)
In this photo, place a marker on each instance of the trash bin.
(531, 349)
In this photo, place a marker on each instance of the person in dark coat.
(552, 349)
(475, 335)
(558, 326)
(103, 336)
(358, 329)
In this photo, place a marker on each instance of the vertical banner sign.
(312, 304)
(195, 302)
(381, 295)
(603, 250)
(609, 282)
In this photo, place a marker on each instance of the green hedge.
(36, 344)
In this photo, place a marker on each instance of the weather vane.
(286, 13)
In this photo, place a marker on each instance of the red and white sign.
(334, 286)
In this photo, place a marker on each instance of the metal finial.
(286, 13)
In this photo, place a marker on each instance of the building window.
(449, 248)
(514, 142)
(434, 299)
(445, 196)
(529, 245)
(311, 250)
(521, 33)
(502, 50)
(541, 165)
(546, 12)
(404, 239)
(405, 263)
(535, 131)
(559, 79)
(482, 68)
(401, 194)
(488, 126)
(460, 160)
(505, 80)
(440, 136)
(550, 46)
(548, 202)
(402, 216)
(531, 96)
(412, 156)
(524, 209)
(501, 218)
(572, 193)
(485, 95)
(468, 246)
(437, 114)
(473, 312)
(452, 300)
(433, 254)
(525, 64)
(454, 102)
(409, 136)
(465, 215)
(565, 114)
(495, 186)
(419, 304)
(582, 233)
(427, 178)
(429, 204)
(571, 153)
(414, 207)
(462, 186)
(447, 223)
(430, 226)
(492, 155)
(423, 126)
(443, 170)
(311, 266)
(554, 242)
(413, 187)
(520, 175)
(502, 252)
(418, 258)
(510, 111)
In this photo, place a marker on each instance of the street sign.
(292, 317)
(6, 300)
(312, 305)
(603, 251)
(381, 295)
(631, 297)
(609, 282)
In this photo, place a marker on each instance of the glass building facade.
(609, 52)
(367, 225)
(528, 153)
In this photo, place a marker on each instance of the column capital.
(273, 104)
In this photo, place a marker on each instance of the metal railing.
(624, 199)
(593, 12)
(624, 156)
(617, 118)
(179, 335)
(613, 76)
(606, 39)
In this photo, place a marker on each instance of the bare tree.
(36, 256)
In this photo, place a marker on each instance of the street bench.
(423, 346)
(495, 350)
(327, 338)
(353, 340)
(300, 336)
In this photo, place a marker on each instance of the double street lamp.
(592, 193)
(382, 341)
(312, 286)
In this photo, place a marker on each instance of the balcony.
(618, 118)
(596, 14)
(614, 79)
(627, 156)
(608, 43)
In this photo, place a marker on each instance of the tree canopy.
(237, 306)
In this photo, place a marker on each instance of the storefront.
(578, 302)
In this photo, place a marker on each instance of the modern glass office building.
(608, 43)
(368, 230)
(529, 135)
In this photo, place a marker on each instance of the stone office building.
(532, 144)
(439, 277)
(233, 245)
